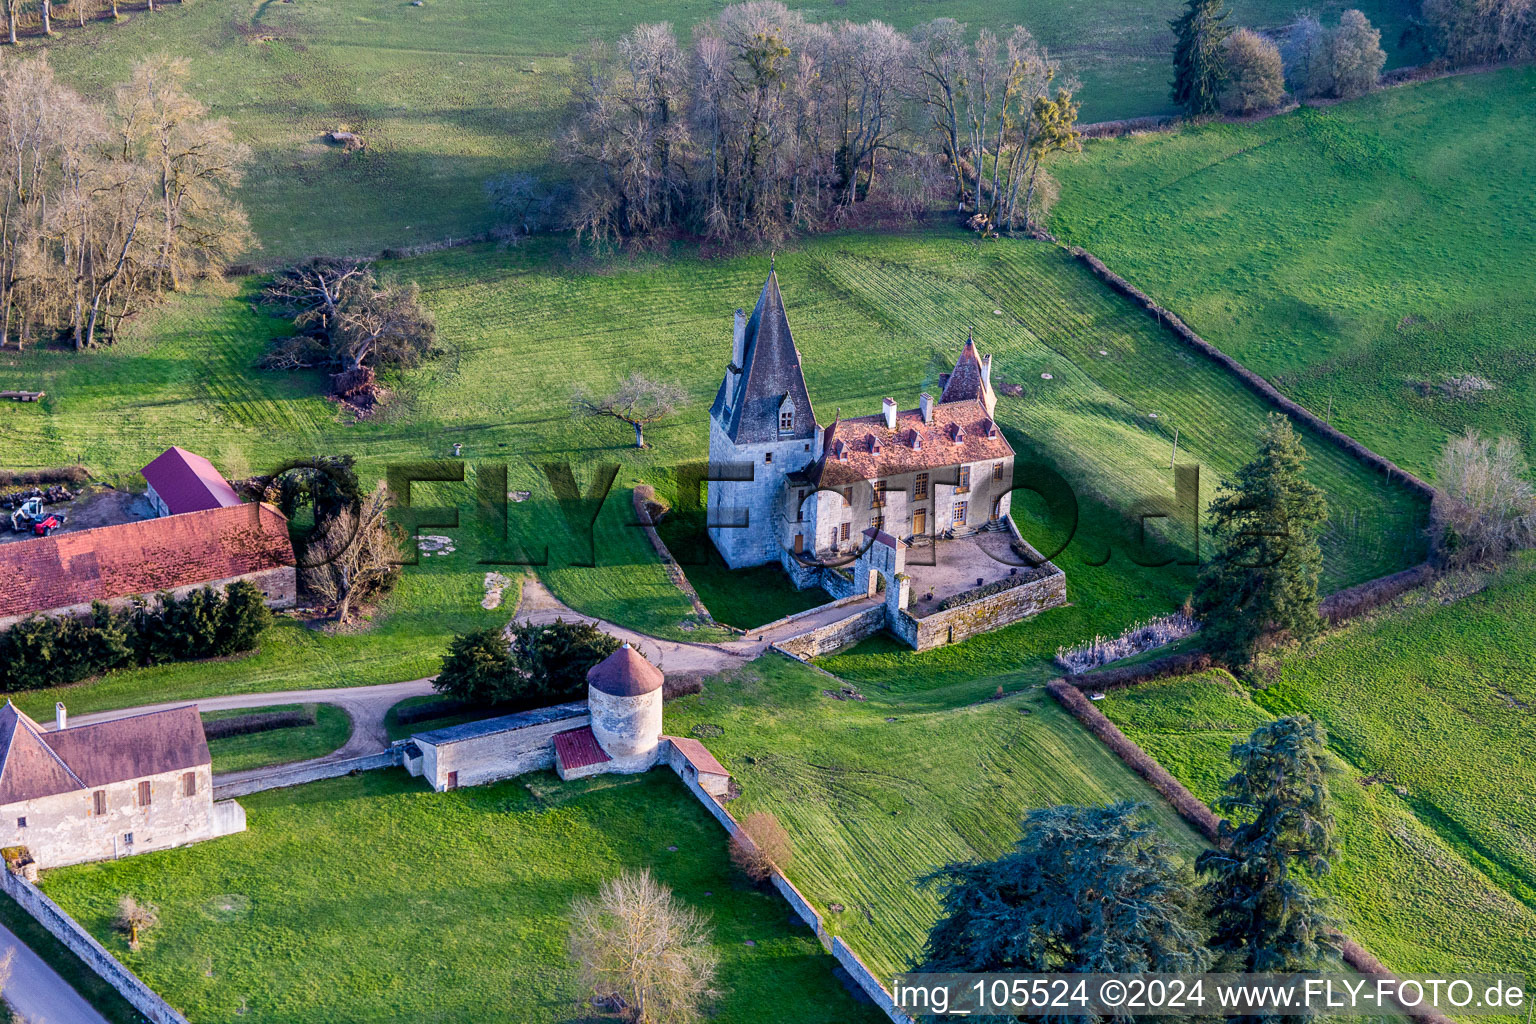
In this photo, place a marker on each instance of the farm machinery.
(33, 518)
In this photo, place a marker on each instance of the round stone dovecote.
(624, 696)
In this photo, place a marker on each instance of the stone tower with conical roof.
(761, 430)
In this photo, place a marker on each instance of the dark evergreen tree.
(1199, 62)
(478, 667)
(1278, 828)
(1086, 889)
(1263, 575)
(246, 616)
(533, 665)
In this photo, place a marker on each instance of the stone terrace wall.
(279, 778)
(80, 942)
(835, 635)
(983, 615)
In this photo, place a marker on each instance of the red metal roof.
(578, 749)
(141, 558)
(698, 755)
(187, 482)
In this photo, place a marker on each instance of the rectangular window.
(843, 533)
(877, 494)
(997, 471)
(21, 822)
(799, 505)
(847, 495)
(960, 511)
(786, 421)
(878, 522)
(768, 457)
(144, 794)
(99, 803)
(964, 483)
(920, 487)
(127, 838)
(189, 784)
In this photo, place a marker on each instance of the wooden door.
(920, 522)
(453, 780)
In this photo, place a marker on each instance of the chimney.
(60, 716)
(888, 410)
(986, 370)
(925, 403)
(739, 342)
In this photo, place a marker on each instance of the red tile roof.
(625, 673)
(578, 749)
(141, 558)
(698, 755)
(187, 482)
(35, 764)
(863, 449)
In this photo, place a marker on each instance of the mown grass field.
(371, 899)
(1359, 256)
(454, 92)
(1407, 889)
(873, 316)
(876, 793)
(279, 746)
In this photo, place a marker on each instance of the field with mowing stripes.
(1372, 258)
(1412, 891)
(454, 92)
(872, 315)
(877, 793)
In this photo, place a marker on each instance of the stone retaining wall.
(280, 778)
(983, 615)
(834, 636)
(638, 498)
(80, 942)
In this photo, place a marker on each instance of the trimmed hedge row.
(432, 709)
(262, 721)
(41, 652)
(59, 475)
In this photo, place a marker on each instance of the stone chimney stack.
(888, 409)
(925, 403)
(739, 342)
(60, 716)
(986, 370)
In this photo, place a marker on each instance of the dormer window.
(787, 421)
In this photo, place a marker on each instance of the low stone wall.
(834, 636)
(849, 960)
(475, 753)
(91, 953)
(638, 497)
(281, 778)
(994, 611)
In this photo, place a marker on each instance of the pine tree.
(1199, 65)
(1264, 573)
(1085, 889)
(1265, 919)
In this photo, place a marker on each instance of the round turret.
(624, 696)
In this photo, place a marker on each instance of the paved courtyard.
(960, 565)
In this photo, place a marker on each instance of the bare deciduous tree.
(354, 556)
(638, 401)
(134, 917)
(1484, 508)
(636, 942)
(1255, 78)
(761, 846)
(1356, 56)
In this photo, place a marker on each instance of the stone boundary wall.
(982, 615)
(789, 620)
(281, 778)
(834, 636)
(1200, 817)
(91, 953)
(849, 960)
(674, 570)
(1261, 387)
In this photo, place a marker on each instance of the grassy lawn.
(279, 746)
(450, 95)
(877, 793)
(874, 315)
(1403, 887)
(1349, 254)
(371, 899)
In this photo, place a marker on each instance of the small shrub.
(1255, 74)
(266, 721)
(134, 917)
(761, 846)
(1484, 508)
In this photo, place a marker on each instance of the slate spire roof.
(770, 373)
(969, 381)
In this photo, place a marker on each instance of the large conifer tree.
(1199, 64)
(1263, 575)
(1278, 825)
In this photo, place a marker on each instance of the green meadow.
(457, 914)
(1102, 390)
(454, 92)
(279, 746)
(1372, 258)
(1408, 885)
(879, 791)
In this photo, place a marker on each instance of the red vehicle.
(32, 519)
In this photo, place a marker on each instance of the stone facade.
(983, 615)
(495, 749)
(835, 636)
(628, 728)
